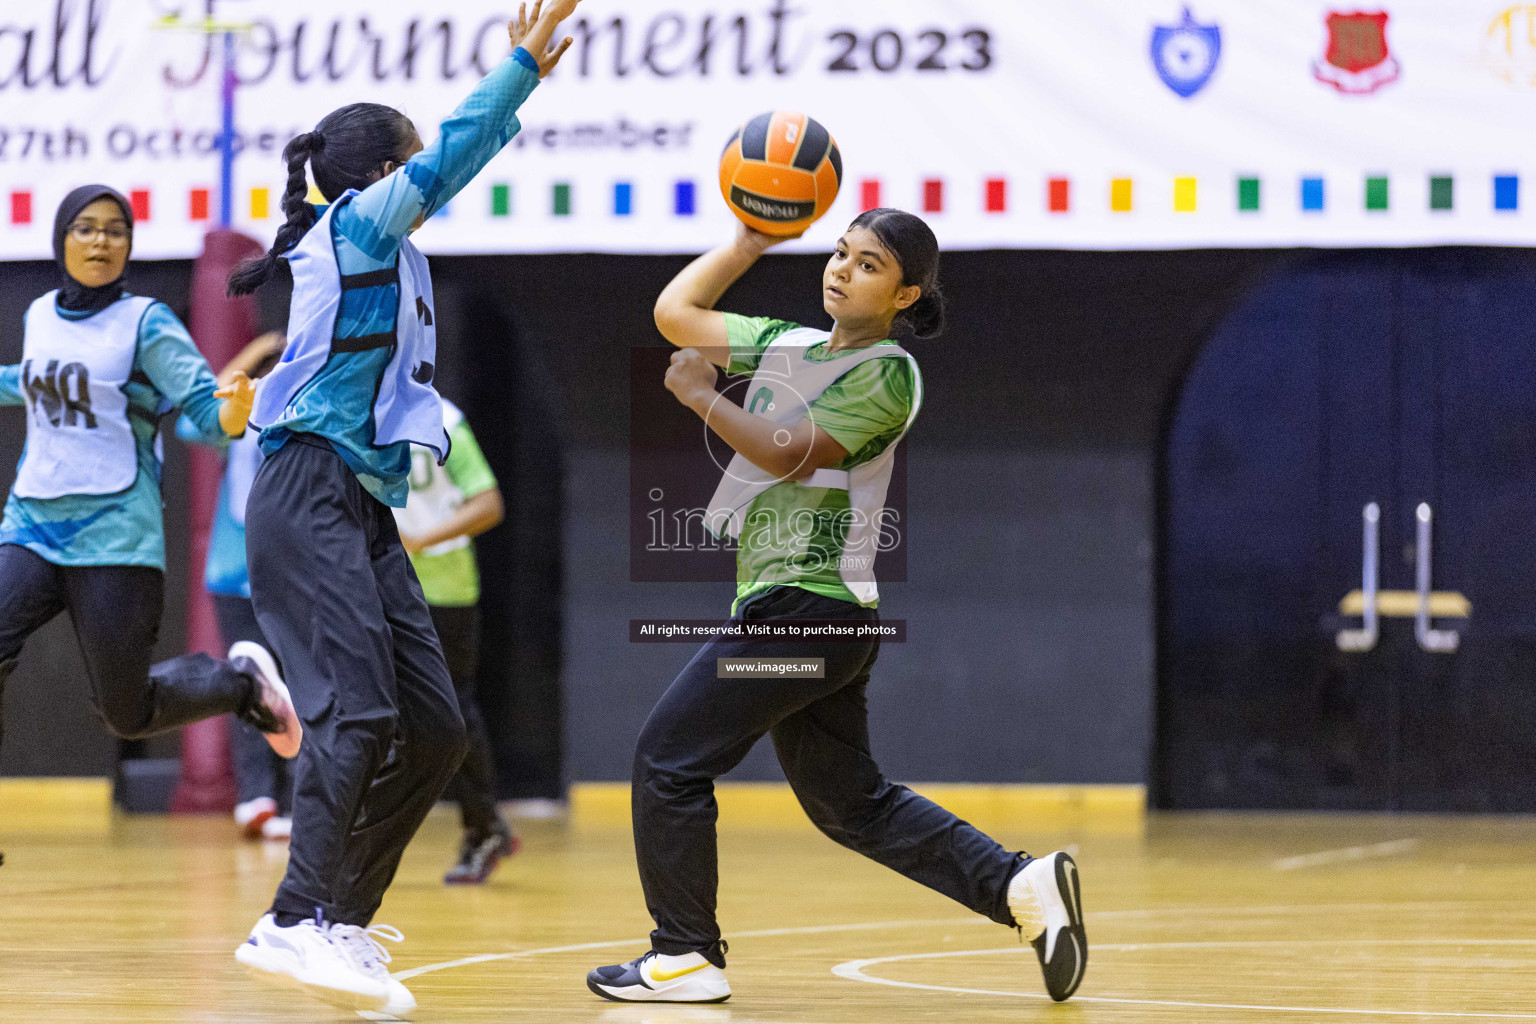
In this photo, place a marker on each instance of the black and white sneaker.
(1048, 910)
(479, 855)
(655, 978)
(271, 708)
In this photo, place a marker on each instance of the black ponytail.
(926, 316)
(255, 272)
(912, 243)
(347, 149)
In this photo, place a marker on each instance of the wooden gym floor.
(1192, 918)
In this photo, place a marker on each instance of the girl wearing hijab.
(81, 529)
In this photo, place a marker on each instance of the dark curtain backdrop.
(1032, 499)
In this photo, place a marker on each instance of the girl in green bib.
(803, 497)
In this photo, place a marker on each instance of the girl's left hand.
(522, 26)
(411, 544)
(691, 378)
(239, 396)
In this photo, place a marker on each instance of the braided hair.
(347, 149)
(912, 242)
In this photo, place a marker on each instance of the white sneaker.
(273, 714)
(277, 829)
(253, 815)
(1047, 907)
(361, 948)
(655, 978)
(303, 956)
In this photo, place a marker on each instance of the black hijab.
(74, 296)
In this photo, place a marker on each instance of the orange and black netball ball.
(780, 172)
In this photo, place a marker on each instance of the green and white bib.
(821, 532)
(447, 571)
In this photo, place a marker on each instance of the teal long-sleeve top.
(337, 403)
(123, 528)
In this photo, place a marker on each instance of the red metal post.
(221, 326)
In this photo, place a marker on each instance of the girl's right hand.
(759, 241)
(239, 395)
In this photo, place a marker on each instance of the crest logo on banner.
(1357, 60)
(1509, 45)
(1185, 54)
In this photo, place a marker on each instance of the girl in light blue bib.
(332, 586)
(81, 529)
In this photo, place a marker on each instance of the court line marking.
(947, 922)
(853, 970)
(1345, 855)
(819, 929)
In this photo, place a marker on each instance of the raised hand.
(535, 34)
(519, 27)
(750, 238)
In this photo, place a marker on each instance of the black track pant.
(336, 596)
(116, 614)
(703, 726)
(258, 770)
(474, 787)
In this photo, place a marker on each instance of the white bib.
(434, 498)
(73, 372)
(782, 390)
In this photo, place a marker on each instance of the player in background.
(448, 506)
(805, 494)
(333, 587)
(263, 782)
(82, 528)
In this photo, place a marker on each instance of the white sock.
(668, 964)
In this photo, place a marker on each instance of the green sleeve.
(867, 408)
(466, 464)
(748, 336)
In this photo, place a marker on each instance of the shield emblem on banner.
(1185, 54)
(1509, 45)
(1357, 59)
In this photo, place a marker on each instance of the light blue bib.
(406, 408)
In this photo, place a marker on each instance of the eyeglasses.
(85, 234)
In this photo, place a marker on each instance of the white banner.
(1011, 123)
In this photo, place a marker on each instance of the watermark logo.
(677, 534)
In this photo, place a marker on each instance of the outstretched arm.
(685, 310)
(483, 507)
(231, 385)
(236, 387)
(178, 371)
(480, 512)
(483, 124)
